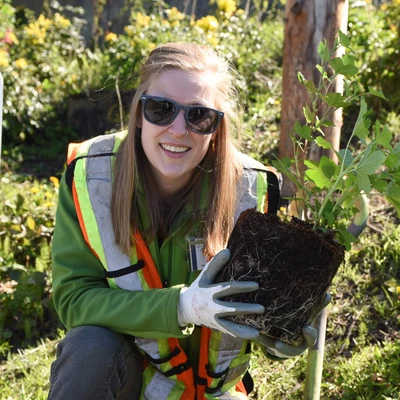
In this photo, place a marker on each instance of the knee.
(93, 362)
(90, 345)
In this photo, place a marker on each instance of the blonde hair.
(219, 163)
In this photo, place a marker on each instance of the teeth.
(174, 149)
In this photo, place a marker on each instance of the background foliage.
(45, 62)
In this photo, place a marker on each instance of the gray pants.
(95, 363)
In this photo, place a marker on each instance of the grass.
(25, 374)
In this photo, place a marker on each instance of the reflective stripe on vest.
(168, 376)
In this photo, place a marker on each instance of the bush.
(44, 60)
(27, 209)
(375, 34)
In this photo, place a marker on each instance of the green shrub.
(27, 209)
(375, 34)
(43, 61)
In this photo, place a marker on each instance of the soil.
(294, 266)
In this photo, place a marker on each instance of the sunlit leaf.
(335, 100)
(30, 222)
(323, 143)
(377, 93)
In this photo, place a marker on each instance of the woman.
(140, 214)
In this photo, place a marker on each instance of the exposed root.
(294, 266)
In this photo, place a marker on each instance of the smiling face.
(172, 154)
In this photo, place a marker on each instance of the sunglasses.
(199, 119)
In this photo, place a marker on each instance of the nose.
(178, 125)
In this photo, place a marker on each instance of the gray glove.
(200, 303)
(278, 350)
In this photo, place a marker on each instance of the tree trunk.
(307, 23)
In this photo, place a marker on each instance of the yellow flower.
(4, 61)
(174, 14)
(111, 37)
(34, 190)
(208, 23)
(21, 63)
(49, 204)
(227, 6)
(55, 181)
(142, 20)
(212, 40)
(61, 22)
(44, 22)
(36, 32)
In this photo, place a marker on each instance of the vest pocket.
(234, 374)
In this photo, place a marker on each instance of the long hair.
(219, 163)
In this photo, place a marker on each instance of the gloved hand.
(278, 350)
(200, 303)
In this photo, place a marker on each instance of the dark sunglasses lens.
(159, 111)
(202, 119)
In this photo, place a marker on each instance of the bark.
(307, 23)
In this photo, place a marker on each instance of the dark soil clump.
(294, 266)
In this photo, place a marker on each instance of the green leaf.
(322, 72)
(286, 162)
(379, 184)
(345, 157)
(345, 238)
(335, 100)
(318, 178)
(328, 214)
(383, 137)
(393, 196)
(321, 142)
(327, 123)
(360, 129)
(328, 166)
(344, 66)
(368, 165)
(308, 114)
(364, 183)
(344, 40)
(303, 131)
(377, 93)
(396, 149)
(320, 173)
(323, 50)
(310, 86)
(392, 160)
(301, 78)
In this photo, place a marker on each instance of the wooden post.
(307, 23)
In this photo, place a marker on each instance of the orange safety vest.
(167, 374)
